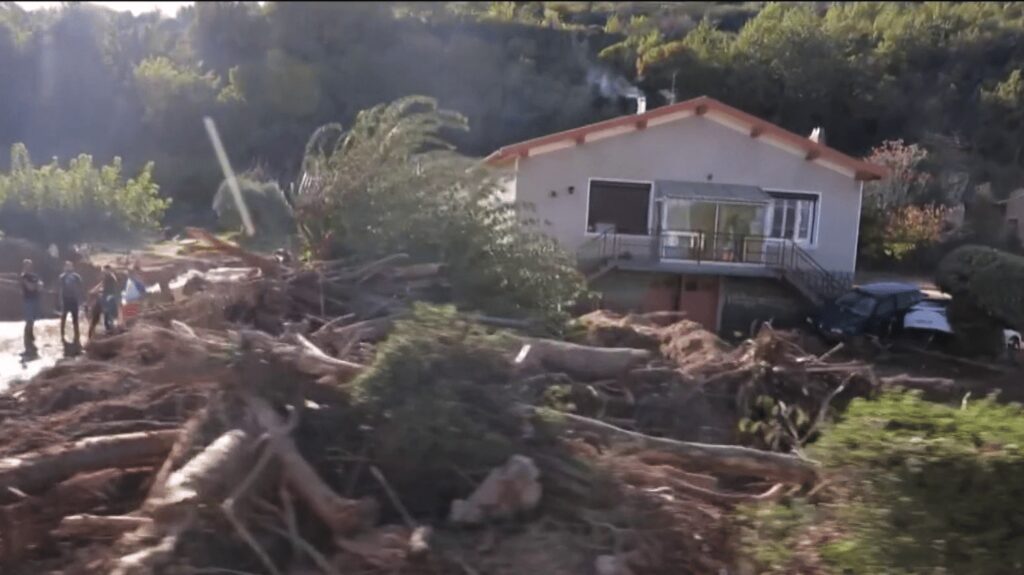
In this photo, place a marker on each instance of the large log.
(580, 360)
(39, 469)
(269, 266)
(934, 388)
(213, 471)
(722, 459)
(343, 516)
(30, 523)
(344, 337)
(304, 357)
(87, 526)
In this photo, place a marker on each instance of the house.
(700, 207)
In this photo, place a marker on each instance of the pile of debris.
(316, 420)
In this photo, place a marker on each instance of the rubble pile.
(316, 419)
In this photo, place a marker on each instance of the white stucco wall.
(689, 150)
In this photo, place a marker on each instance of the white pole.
(229, 175)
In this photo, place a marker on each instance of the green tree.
(391, 183)
(80, 202)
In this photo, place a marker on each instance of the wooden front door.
(698, 297)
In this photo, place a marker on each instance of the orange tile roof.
(861, 169)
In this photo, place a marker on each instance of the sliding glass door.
(713, 231)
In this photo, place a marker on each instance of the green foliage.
(770, 533)
(925, 488)
(939, 485)
(268, 207)
(438, 403)
(392, 184)
(164, 85)
(51, 203)
(84, 78)
(985, 284)
(988, 278)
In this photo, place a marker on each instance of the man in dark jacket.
(109, 290)
(31, 288)
(69, 295)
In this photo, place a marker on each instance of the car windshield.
(857, 303)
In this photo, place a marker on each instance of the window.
(622, 206)
(794, 216)
(886, 307)
(857, 303)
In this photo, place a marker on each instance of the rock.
(507, 491)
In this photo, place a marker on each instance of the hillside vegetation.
(83, 79)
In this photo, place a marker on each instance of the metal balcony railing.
(679, 246)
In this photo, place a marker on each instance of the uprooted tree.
(985, 284)
(392, 183)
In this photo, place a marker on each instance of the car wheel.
(1014, 343)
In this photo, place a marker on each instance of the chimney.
(817, 135)
(641, 104)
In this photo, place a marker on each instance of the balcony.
(699, 252)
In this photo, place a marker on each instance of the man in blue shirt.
(70, 297)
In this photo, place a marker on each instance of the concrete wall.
(691, 149)
(745, 300)
(626, 291)
(740, 301)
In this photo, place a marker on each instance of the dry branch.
(343, 516)
(99, 526)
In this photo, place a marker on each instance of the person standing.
(110, 296)
(134, 294)
(31, 288)
(70, 296)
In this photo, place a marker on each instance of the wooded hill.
(83, 79)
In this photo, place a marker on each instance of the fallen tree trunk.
(27, 524)
(724, 459)
(269, 266)
(343, 516)
(214, 470)
(366, 330)
(304, 357)
(99, 526)
(42, 468)
(580, 360)
(936, 388)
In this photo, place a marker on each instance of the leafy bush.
(924, 488)
(53, 204)
(268, 207)
(392, 184)
(437, 400)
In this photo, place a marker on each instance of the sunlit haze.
(169, 8)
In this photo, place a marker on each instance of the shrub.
(924, 488)
(392, 184)
(271, 214)
(54, 204)
(437, 400)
